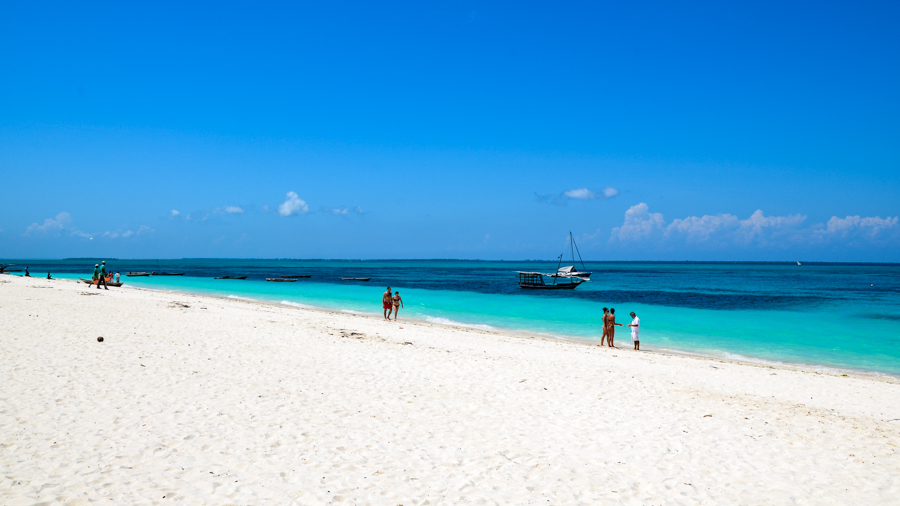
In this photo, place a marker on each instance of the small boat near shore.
(291, 276)
(232, 277)
(535, 280)
(137, 274)
(566, 278)
(355, 279)
(108, 283)
(281, 280)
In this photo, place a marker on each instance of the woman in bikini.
(612, 326)
(398, 303)
(605, 335)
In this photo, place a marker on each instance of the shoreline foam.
(717, 355)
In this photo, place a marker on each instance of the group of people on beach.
(609, 328)
(391, 303)
(101, 276)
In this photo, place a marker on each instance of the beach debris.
(704, 416)
(89, 293)
(175, 303)
(99, 339)
(523, 381)
(407, 342)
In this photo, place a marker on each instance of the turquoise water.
(834, 315)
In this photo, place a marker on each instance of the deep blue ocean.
(822, 314)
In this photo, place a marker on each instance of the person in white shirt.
(635, 328)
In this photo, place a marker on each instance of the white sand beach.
(200, 400)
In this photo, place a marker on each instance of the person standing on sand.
(387, 303)
(398, 303)
(117, 278)
(102, 276)
(605, 335)
(635, 326)
(96, 274)
(612, 326)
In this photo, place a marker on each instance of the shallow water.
(834, 315)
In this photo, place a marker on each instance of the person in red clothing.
(387, 303)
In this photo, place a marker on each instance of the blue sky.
(709, 131)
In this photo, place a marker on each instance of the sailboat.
(565, 278)
(570, 271)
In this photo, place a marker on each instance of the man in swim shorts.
(387, 303)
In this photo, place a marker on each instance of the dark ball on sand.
(99, 339)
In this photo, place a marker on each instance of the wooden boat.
(233, 277)
(137, 273)
(281, 280)
(535, 280)
(167, 273)
(562, 279)
(355, 279)
(108, 283)
(295, 276)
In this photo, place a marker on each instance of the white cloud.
(51, 226)
(639, 223)
(700, 229)
(62, 223)
(174, 213)
(128, 233)
(765, 229)
(759, 230)
(233, 210)
(342, 211)
(578, 194)
(293, 205)
(871, 226)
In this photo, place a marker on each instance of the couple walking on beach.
(609, 328)
(391, 303)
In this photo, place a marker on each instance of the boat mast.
(571, 244)
(579, 253)
(557, 268)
